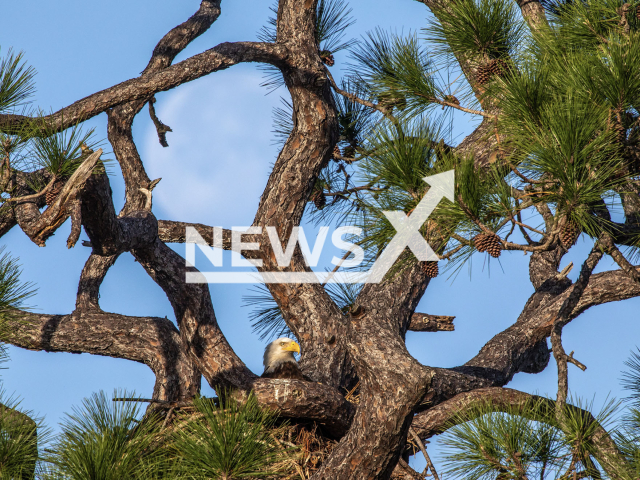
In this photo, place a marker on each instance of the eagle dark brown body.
(288, 370)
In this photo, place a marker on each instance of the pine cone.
(487, 242)
(483, 73)
(638, 12)
(337, 153)
(498, 67)
(569, 233)
(319, 200)
(495, 66)
(327, 58)
(430, 269)
(52, 194)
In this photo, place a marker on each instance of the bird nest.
(305, 450)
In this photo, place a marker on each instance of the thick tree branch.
(38, 226)
(561, 320)
(110, 234)
(179, 37)
(308, 310)
(149, 340)
(522, 347)
(93, 273)
(533, 12)
(392, 381)
(171, 231)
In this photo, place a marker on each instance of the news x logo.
(407, 235)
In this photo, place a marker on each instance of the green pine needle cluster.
(231, 441)
(562, 102)
(394, 70)
(524, 441)
(106, 440)
(16, 81)
(333, 18)
(470, 29)
(266, 317)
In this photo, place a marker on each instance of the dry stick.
(507, 245)
(161, 128)
(620, 259)
(166, 419)
(513, 227)
(423, 449)
(376, 106)
(526, 179)
(444, 103)
(447, 255)
(565, 271)
(151, 400)
(561, 320)
(345, 192)
(522, 230)
(35, 196)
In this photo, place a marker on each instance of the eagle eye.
(282, 344)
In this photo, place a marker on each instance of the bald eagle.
(279, 361)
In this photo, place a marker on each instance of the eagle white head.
(278, 352)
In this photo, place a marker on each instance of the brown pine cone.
(319, 200)
(569, 233)
(430, 269)
(483, 73)
(486, 242)
(337, 154)
(495, 249)
(498, 67)
(53, 193)
(327, 58)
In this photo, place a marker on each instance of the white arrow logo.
(408, 227)
(408, 235)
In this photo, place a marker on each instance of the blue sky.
(214, 172)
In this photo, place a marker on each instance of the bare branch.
(386, 111)
(619, 258)
(93, 273)
(423, 449)
(34, 196)
(179, 37)
(561, 320)
(218, 58)
(161, 128)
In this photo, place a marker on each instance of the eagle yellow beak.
(292, 347)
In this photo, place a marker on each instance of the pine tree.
(556, 92)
